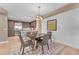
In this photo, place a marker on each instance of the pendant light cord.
(39, 10)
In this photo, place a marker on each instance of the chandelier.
(40, 17)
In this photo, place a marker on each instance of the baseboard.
(66, 44)
(3, 42)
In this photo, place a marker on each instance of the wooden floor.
(4, 48)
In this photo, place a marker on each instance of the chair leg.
(32, 47)
(42, 50)
(36, 46)
(20, 48)
(51, 40)
(23, 51)
(48, 46)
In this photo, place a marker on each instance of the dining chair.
(50, 35)
(43, 41)
(24, 44)
(32, 36)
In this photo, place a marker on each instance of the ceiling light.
(40, 17)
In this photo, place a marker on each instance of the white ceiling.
(28, 11)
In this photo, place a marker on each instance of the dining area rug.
(54, 49)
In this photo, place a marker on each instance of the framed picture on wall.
(52, 25)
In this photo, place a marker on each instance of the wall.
(3, 28)
(67, 28)
(3, 25)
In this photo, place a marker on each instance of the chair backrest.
(25, 43)
(20, 37)
(32, 35)
(28, 34)
(45, 39)
(49, 34)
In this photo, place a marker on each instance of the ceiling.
(28, 11)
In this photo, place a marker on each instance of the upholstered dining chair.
(32, 36)
(43, 41)
(50, 35)
(24, 44)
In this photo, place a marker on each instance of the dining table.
(38, 38)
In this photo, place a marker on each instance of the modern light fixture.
(40, 17)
